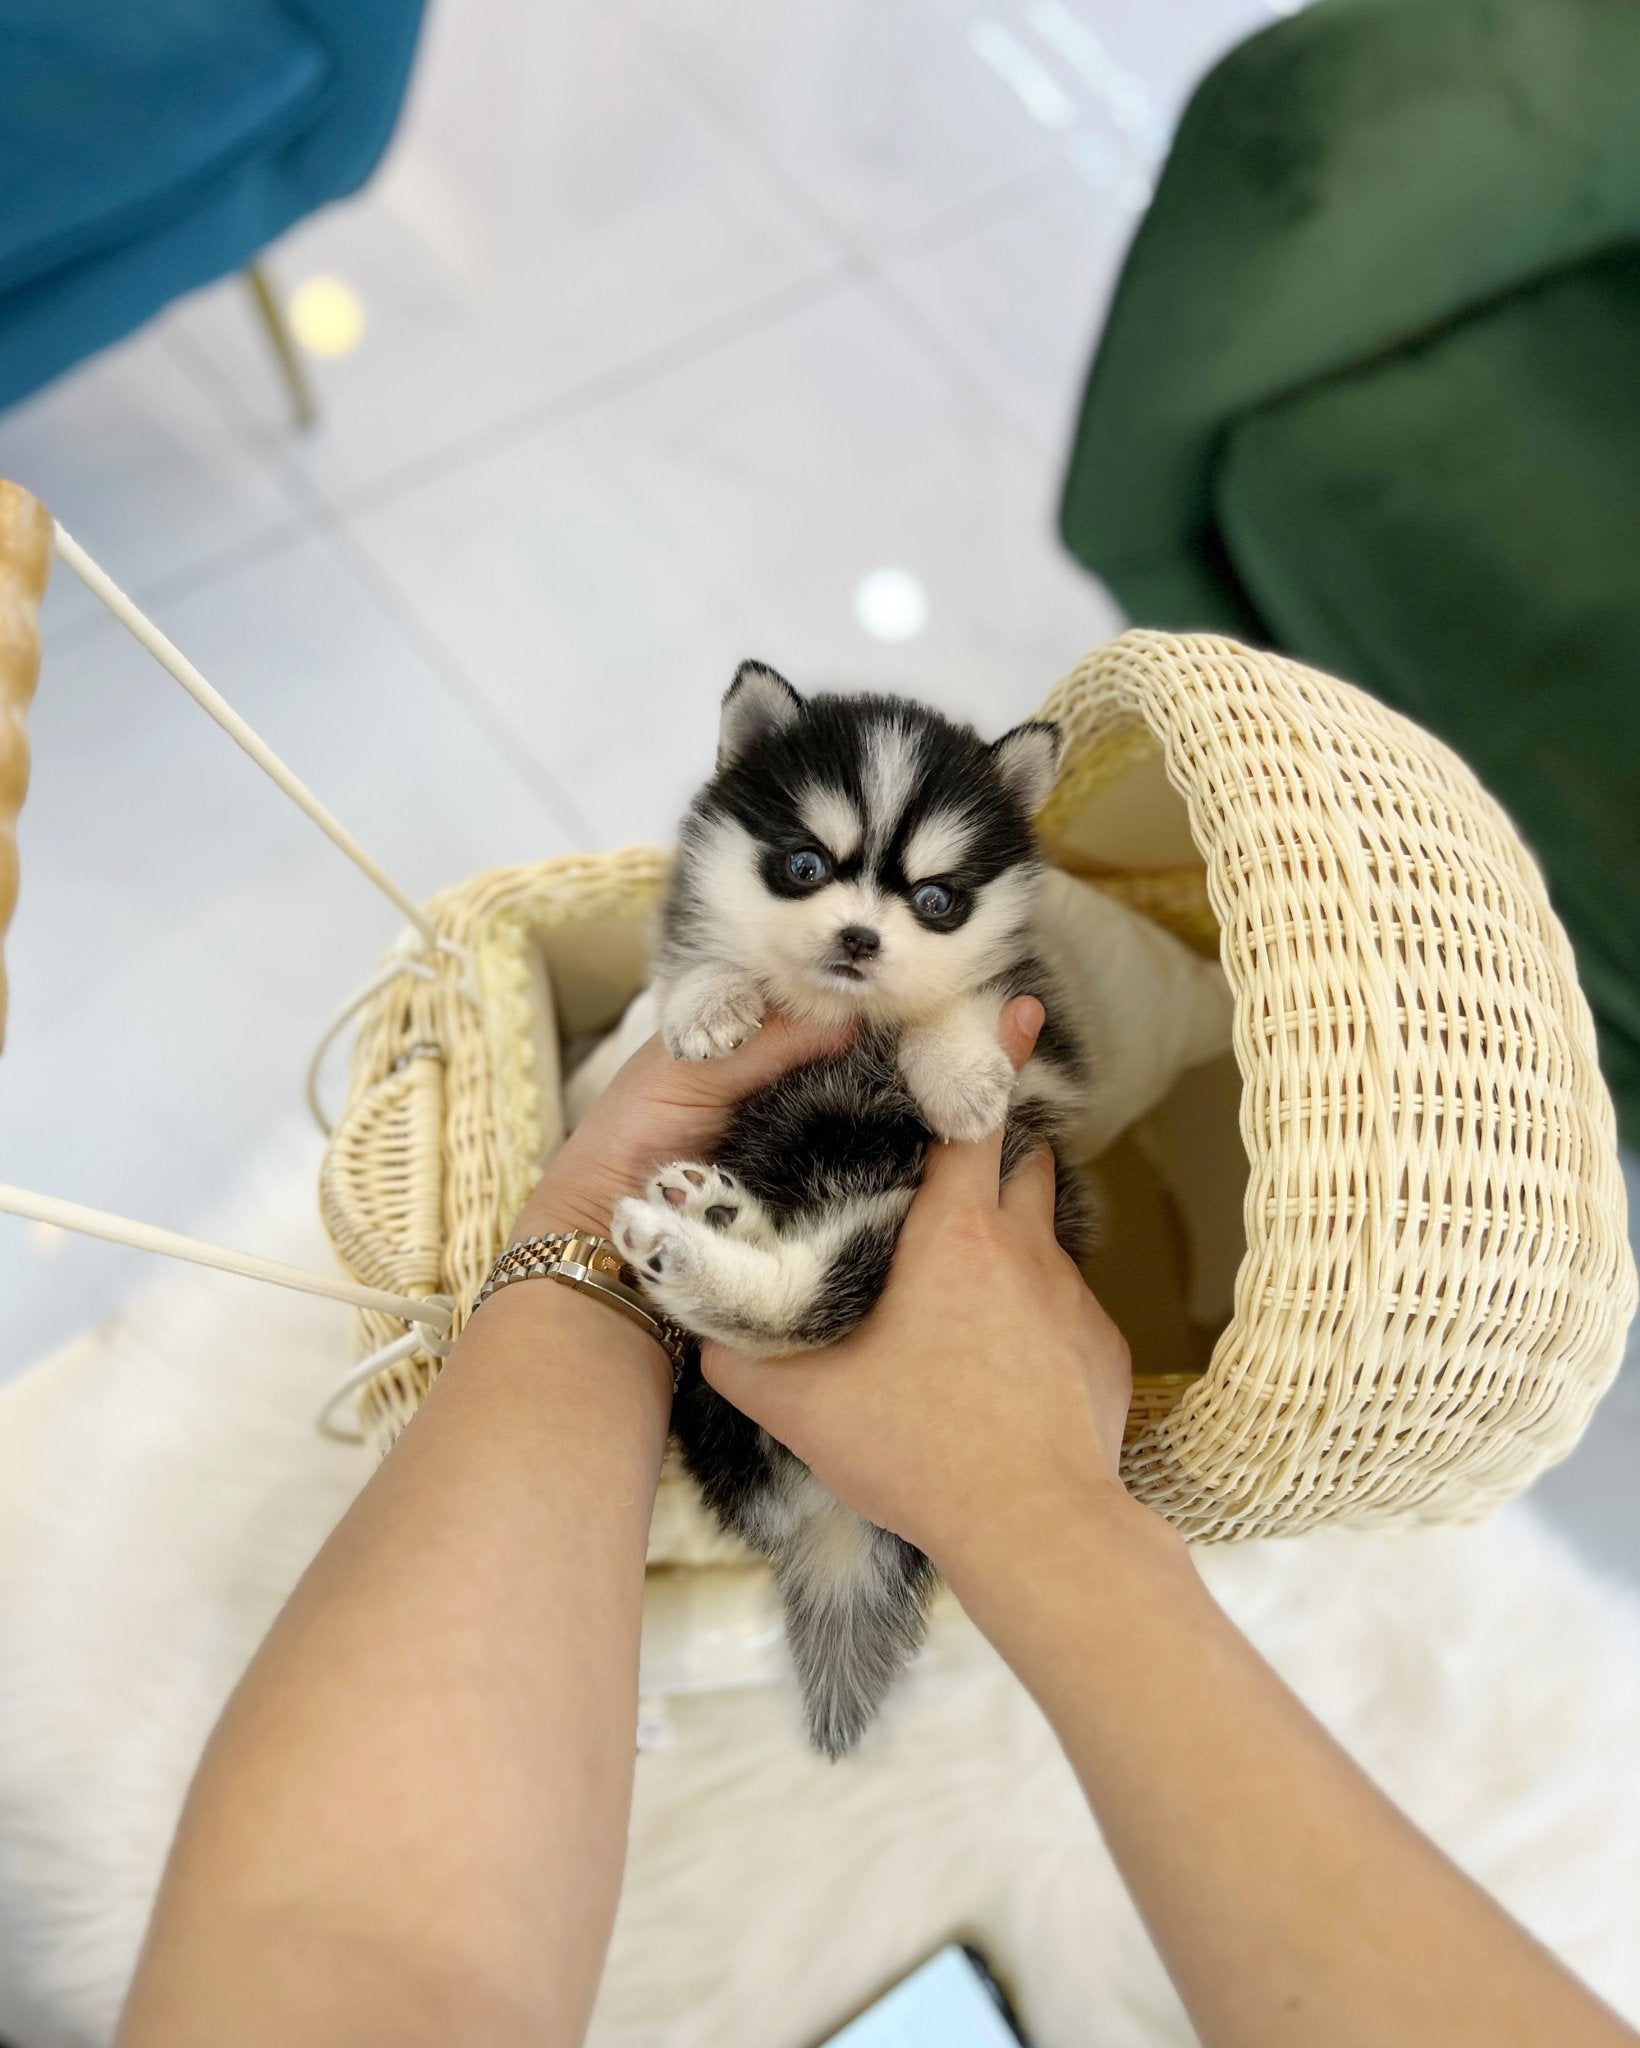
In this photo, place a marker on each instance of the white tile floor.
(681, 315)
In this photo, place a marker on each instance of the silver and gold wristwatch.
(592, 1264)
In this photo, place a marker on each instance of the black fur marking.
(835, 1130)
(1055, 1044)
(757, 702)
(838, 1128)
(825, 744)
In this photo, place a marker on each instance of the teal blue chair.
(149, 146)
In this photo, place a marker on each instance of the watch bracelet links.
(591, 1265)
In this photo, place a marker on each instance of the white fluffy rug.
(161, 1485)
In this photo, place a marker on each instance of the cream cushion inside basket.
(1406, 1173)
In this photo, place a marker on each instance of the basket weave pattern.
(426, 1217)
(1437, 1278)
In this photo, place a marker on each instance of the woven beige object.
(453, 1100)
(1437, 1279)
(25, 563)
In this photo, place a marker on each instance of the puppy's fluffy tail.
(855, 1599)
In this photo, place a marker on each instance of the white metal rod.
(146, 1237)
(170, 658)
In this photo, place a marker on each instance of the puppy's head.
(864, 854)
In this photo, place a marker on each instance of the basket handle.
(25, 563)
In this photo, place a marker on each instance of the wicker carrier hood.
(1437, 1279)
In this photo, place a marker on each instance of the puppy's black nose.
(858, 942)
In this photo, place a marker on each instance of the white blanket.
(161, 1485)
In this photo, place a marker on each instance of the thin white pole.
(171, 659)
(146, 1237)
(328, 1418)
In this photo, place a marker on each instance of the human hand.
(985, 1390)
(656, 1109)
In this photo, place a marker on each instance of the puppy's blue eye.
(932, 899)
(809, 866)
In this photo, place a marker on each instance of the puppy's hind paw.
(645, 1235)
(707, 1192)
(679, 1259)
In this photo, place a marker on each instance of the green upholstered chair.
(1370, 392)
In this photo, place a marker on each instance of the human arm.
(409, 1824)
(979, 1413)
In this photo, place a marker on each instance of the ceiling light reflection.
(891, 605)
(326, 316)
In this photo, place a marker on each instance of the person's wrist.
(993, 1556)
(548, 1322)
(565, 1202)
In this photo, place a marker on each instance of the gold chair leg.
(284, 346)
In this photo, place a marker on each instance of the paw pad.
(698, 1190)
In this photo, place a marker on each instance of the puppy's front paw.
(709, 1020)
(962, 1102)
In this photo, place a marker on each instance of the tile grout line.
(156, 594)
(295, 524)
(466, 694)
(916, 325)
(867, 262)
(237, 420)
(336, 514)
(1011, 195)
(311, 517)
(314, 513)
(721, 332)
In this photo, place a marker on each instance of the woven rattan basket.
(1436, 1278)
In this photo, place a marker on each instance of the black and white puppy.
(854, 860)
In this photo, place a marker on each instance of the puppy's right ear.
(757, 703)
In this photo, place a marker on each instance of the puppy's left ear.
(758, 702)
(1027, 759)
